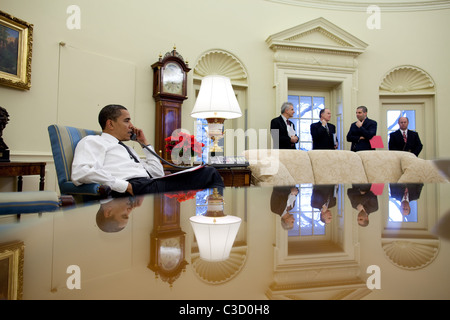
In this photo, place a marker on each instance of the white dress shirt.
(101, 159)
(289, 203)
(404, 132)
(290, 129)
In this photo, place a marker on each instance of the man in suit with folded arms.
(364, 200)
(404, 139)
(323, 133)
(362, 131)
(283, 130)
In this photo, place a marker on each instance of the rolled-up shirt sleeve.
(152, 164)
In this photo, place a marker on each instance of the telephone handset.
(134, 138)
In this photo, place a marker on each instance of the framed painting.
(11, 270)
(16, 40)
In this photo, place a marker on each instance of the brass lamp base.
(215, 132)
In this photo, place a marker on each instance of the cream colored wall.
(137, 31)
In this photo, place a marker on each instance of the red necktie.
(404, 136)
(288, 123)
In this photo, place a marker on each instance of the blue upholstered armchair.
(16, 203)
(63, 140)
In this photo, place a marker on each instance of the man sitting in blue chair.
(105, 159)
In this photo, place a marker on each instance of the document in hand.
(182, 171)
(376, 142)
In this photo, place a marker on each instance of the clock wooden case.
(169, 91)
(167, 240)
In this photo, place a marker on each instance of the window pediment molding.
(318, 35)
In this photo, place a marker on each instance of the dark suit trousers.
(203, 178)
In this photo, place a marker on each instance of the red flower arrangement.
(181, 143)
(182, 196)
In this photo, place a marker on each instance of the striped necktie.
(132, 156)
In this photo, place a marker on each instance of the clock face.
(170, 253)
(173, 77)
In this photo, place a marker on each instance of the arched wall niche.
(408, 87)
(222, 62)
(218, 61)
(407, 80)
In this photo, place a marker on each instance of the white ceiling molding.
(407, 80)
(362, 5)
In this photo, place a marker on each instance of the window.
(394, 115)
(202, 136)
(201, 201)
(307, 110)
(395, 211)
(307, 218)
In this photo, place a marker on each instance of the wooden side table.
(19, 169)
(236, 176)
(232, 177)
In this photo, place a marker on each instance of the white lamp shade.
(215, 239)
(216, 99)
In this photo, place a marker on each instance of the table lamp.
(216, 102)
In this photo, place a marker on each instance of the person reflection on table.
(363, 200)
(405, 193)
(281, 202)
(113, 214)
(323, 198)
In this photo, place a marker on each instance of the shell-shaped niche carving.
(406, 79)
(222, 63)
(220, 272)
(411, 255)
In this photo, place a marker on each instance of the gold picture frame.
(16, 41)
(11, 270)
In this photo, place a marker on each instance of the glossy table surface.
(156, 253)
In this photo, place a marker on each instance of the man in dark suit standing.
(323, 133)
(323, 197)
(404, 139)
(364, 200)
(362, 131)
(405, 193)
(283, 130)
(282, 201)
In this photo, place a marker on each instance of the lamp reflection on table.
(215, 232)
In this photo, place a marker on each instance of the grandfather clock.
(169, 92)
(167, 240)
